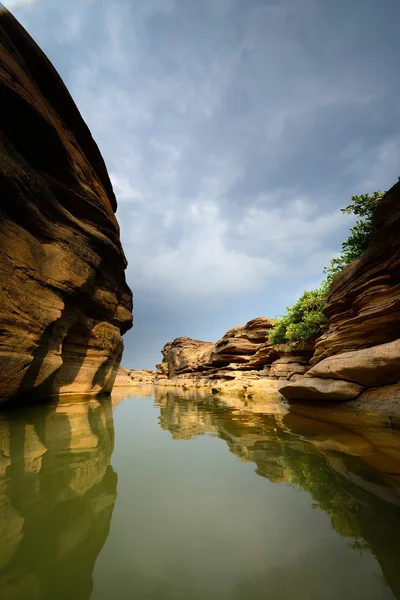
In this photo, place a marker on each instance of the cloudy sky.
(233, 132)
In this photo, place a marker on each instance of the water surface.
(171, 498)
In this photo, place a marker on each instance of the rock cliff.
(361, 347)
(64, 302)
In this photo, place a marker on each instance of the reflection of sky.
(233, 133)
(192, 521)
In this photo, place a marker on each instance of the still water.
(168, 497)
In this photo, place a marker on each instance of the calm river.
(161, 497)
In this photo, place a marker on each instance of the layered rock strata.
(361, 347)
(243, 361)
(64, 302)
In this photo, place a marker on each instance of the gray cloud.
(233, 132)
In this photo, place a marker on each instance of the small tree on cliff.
(305, 320)
(364, 206)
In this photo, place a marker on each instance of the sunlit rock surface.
(64, 302)
(57, 494)
(243, 361)
(184, 355)
(128, 377)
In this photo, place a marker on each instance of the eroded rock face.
(184, 355)
(242, 362)
(244, 347)
(241, 348)
(291, 364)
(64, 302)
(362, 342)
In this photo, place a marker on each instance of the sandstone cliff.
(361, 347)
(64, 302)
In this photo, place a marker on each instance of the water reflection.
(57, 493)
(352, 474)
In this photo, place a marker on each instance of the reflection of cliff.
(57, 493)
(351, 475)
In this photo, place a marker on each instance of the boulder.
(313, 388)
(64, 302)
(374, 366)
(184, 355)
(246, 345)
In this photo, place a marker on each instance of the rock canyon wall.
(64, 302)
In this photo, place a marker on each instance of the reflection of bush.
(310, 472)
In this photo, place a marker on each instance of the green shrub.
(364, 206)
(305, 320)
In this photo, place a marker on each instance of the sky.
(233, 132)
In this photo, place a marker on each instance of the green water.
(168, 498)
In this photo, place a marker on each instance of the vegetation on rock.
(305, 320)
(364, 206)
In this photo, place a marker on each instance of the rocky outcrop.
(64, 302)
(128, 377)
(184, 355)
(374, 366)
(244, 347)
(242, 362)
(362, 343)
(291, 364)
(314, 388)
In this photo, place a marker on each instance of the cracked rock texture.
(64, 302)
